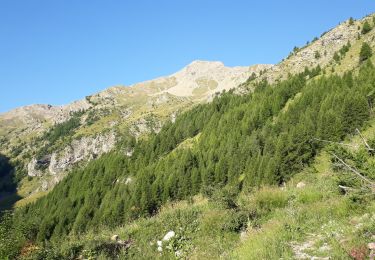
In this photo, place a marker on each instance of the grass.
(317, 220)
(204, 85)
(189, 142)
(30, 199)
(25, 193)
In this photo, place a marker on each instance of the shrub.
(366, 28)
(317, 55)
(236, 221)
(336, 57)
(225, 198)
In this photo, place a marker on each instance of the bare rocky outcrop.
(34, 115)
(84, 149)
(204, 78)
(32, 169)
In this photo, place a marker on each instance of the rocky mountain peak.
(203, 78)
(200, 66)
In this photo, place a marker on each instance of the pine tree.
(351, 21)
(365, 53)
(366, 28)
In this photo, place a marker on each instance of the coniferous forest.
(236, 142)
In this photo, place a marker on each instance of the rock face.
(32, 168)
(82, 149)
(34, 115)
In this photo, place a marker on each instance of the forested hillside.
(235, 142)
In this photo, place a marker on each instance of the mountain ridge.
(138, 109)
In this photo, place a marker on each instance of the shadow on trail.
(8, 185)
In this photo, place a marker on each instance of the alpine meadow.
(211, 162)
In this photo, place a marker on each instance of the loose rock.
(169, 235)
(115, 238)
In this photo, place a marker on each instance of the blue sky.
(55, 52)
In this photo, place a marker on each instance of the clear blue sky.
(57, 51)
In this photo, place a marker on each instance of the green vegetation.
(275, 222)
(365, 53)
(351, 21)
(317, 55)
(58, 133)
(245, 142)
(366, 27)
(297, 227)
(338, 56)
(8, 183)
(63, 129)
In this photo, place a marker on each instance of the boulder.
(300, 185)
(169, 235)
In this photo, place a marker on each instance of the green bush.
(236, 221)
(366, 28)
(225, 198)
(336, 57)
